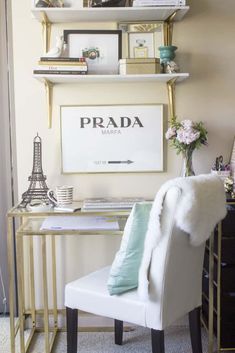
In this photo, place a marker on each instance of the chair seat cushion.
(90, 294)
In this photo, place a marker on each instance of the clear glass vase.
(187, 168)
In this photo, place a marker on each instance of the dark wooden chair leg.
(157, 338)
(72, 325)
(118, 330)
(195, 330)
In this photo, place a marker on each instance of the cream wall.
(205, 39)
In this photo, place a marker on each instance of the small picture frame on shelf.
(101, 48)
(119, 138)
(142, 40)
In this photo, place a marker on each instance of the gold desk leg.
(171, 97)
(49, 95)
(55, 312)
(10, 256)
(32, 282)
(219, 286)
(19, 259)
(45, 295)
(211, 295)
(22, 273)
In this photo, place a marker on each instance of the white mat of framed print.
(112, 138)
(101, 48)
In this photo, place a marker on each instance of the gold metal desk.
(28, 226)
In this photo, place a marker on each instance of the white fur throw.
(202, 204)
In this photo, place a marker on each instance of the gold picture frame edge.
(127, 30)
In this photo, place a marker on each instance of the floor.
(177, 340)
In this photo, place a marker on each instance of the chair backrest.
(175, 273)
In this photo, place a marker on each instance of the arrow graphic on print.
(120, 162)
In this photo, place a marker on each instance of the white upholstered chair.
(175, 276)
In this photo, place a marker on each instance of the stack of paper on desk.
(80, 223)
(110, 203)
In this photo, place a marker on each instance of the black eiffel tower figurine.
(37, 188)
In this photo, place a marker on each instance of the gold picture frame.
(142, 39)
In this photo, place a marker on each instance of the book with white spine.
(62, 67)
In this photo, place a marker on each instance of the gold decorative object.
(139, 66)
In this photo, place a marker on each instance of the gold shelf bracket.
(168, 29)
(49, 95)
(46, 32)
(171, 98)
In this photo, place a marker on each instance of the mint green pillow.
(125, 267)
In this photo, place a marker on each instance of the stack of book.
(146, 3)
(110, 203)
(61, 66)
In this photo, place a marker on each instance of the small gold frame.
(135, 30)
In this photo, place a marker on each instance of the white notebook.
(80, 223)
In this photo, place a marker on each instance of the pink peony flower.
(171, 132)
(187, 124)
(187, 136)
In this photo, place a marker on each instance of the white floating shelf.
(110, 14)
(111, 78)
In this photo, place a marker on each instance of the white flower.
(228, 181)
(171, 132)
(187, 136)
(187, 124)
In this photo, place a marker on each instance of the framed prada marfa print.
(112, 138)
